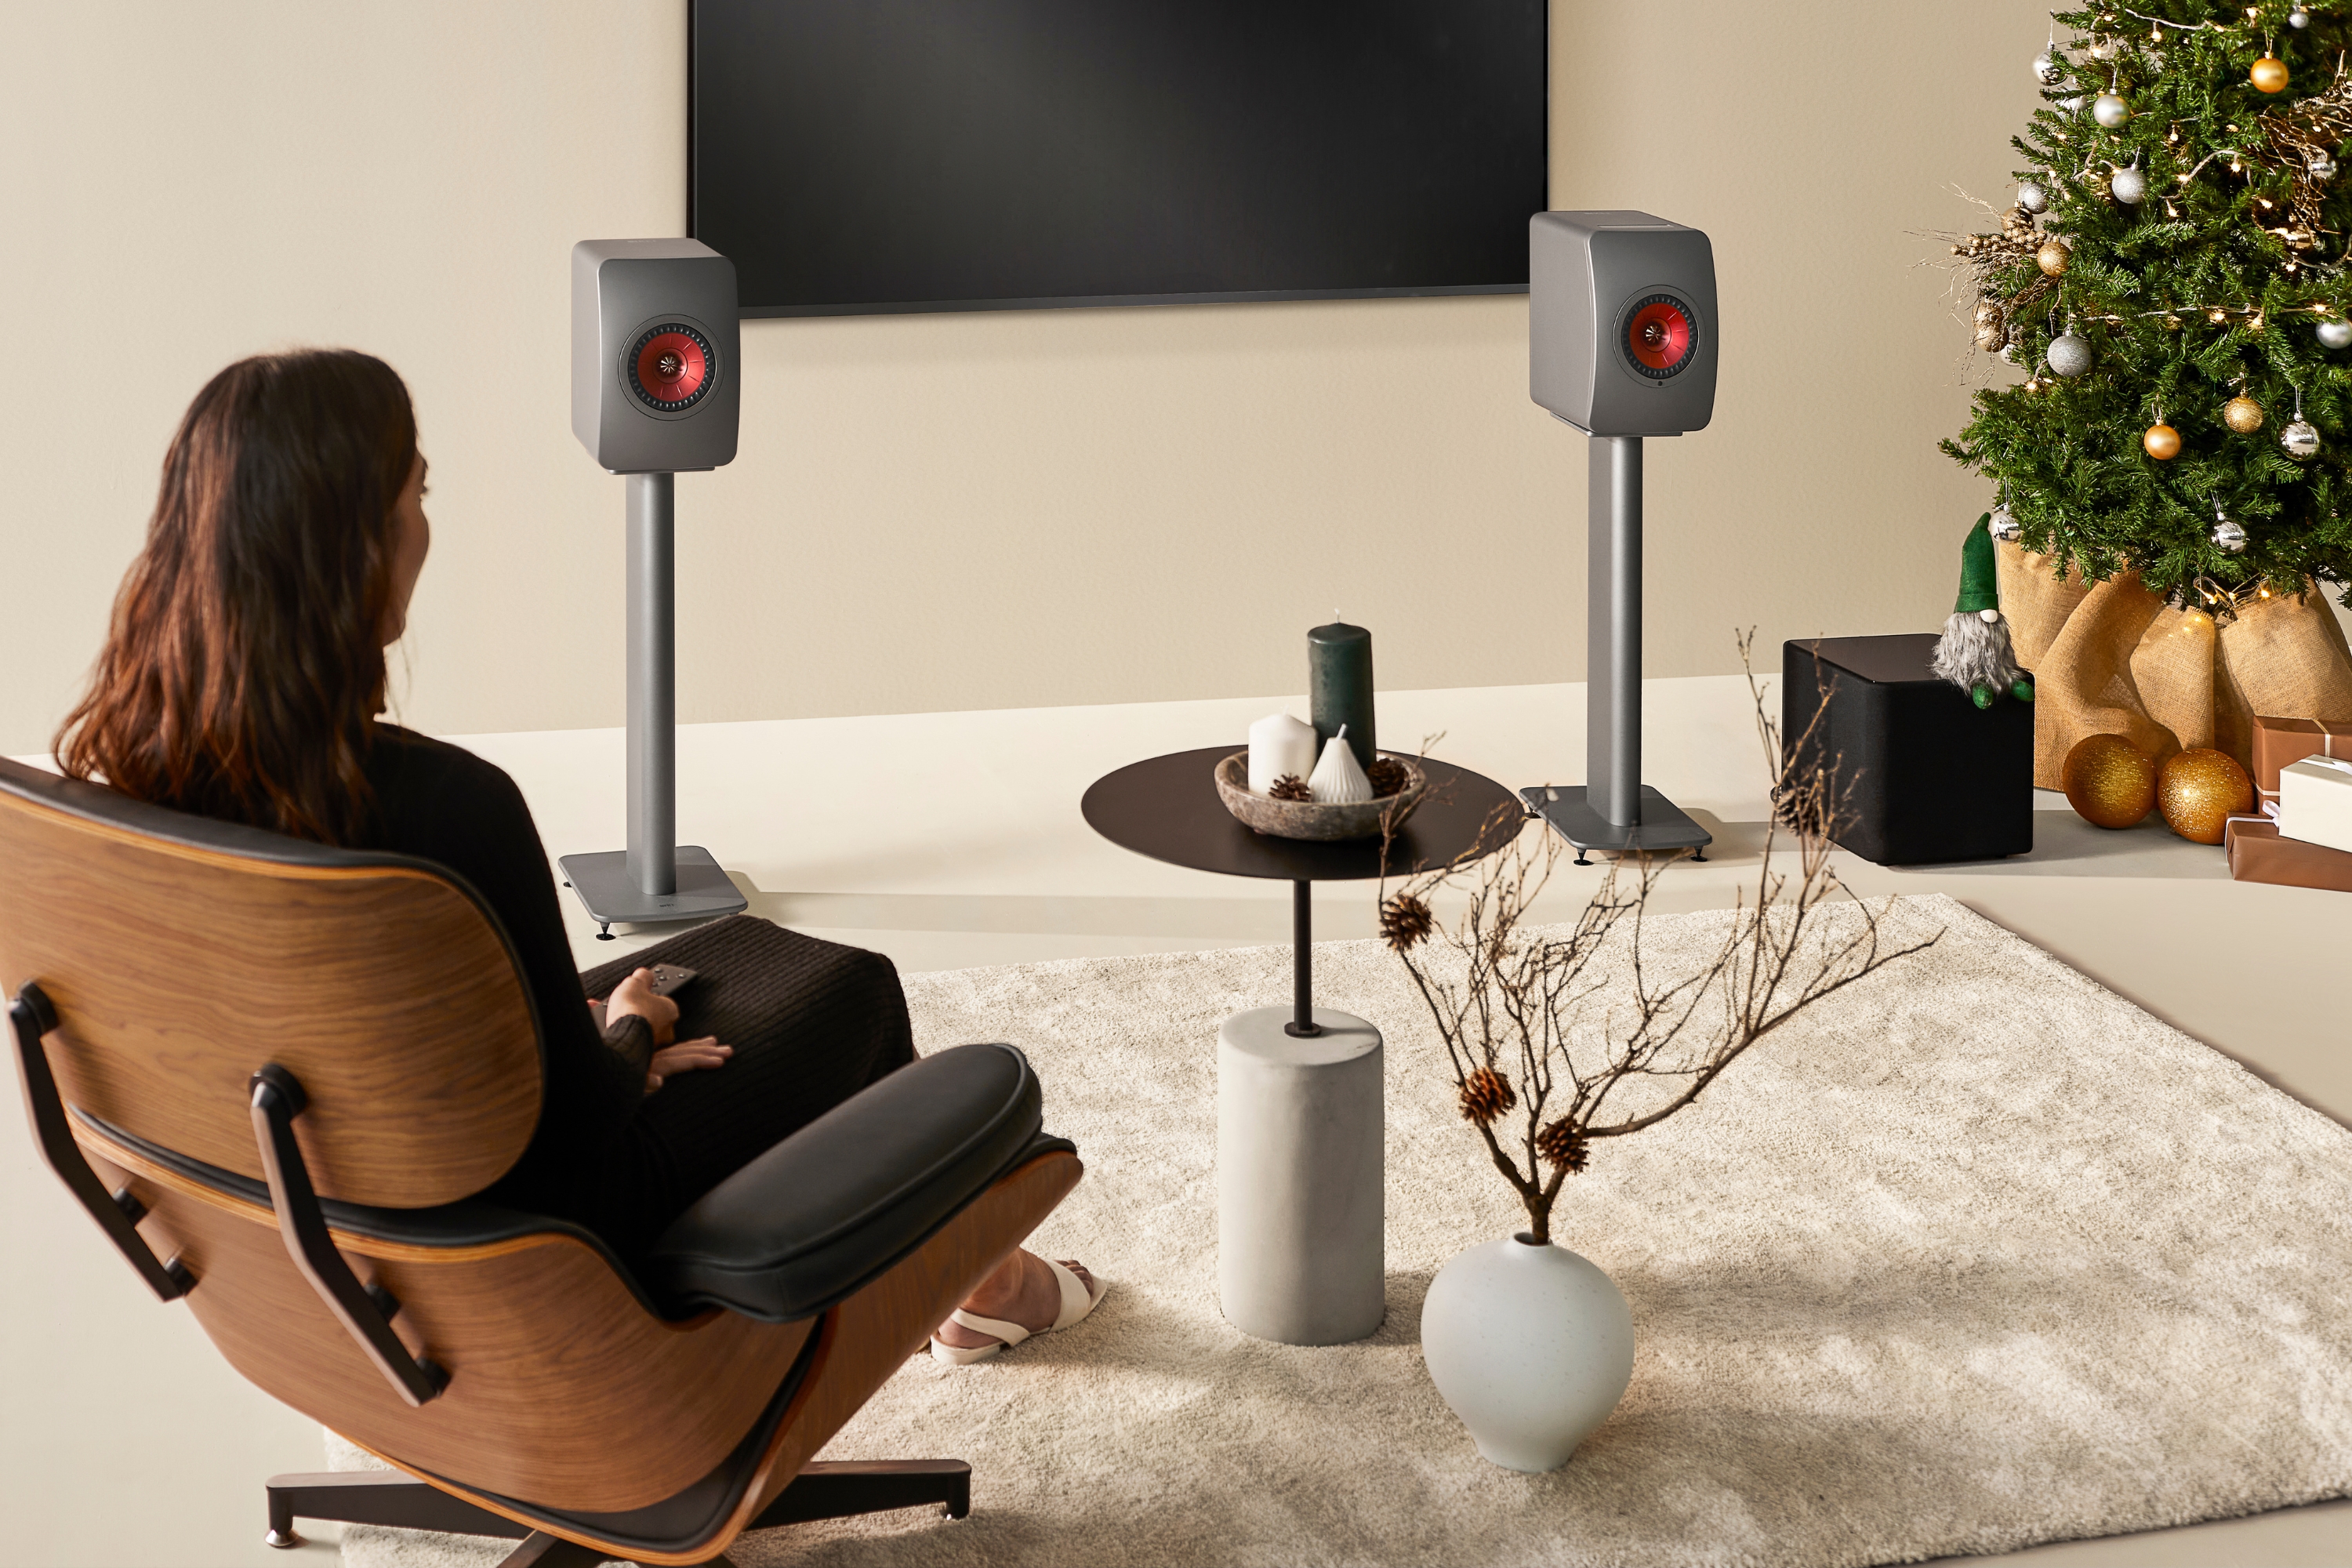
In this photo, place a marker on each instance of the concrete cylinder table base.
(1300, 1176)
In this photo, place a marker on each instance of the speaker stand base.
(611, 895)
(1663, 827)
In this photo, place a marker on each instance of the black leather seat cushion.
(828, 1210)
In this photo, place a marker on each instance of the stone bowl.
(1310, 819)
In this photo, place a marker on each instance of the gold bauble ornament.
(2052, 259)
(2243, 414)
(2162, 441)
(2269, 75)
(2109, 782)
(2199, 790)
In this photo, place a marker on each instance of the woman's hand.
(687, 1055)
(636, 994)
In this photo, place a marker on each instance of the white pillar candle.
(1279, 745)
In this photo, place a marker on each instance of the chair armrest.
(832, 1207)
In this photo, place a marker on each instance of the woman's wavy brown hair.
(244, 668)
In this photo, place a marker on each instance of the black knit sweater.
(445, 804)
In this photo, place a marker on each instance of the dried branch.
(1534, 1066)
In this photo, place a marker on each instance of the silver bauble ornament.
(2321, 166)
(2110, 111)
(2033, 197)
(2072, 105)
(2129, 186)
(2334, 334)
(2049, 70)
(2004, 526)
(2070, 356)
(2298, 18)
(2300, 439)
(2008, 351)
(2228, 535)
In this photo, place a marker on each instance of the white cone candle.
(1279, 745)
(1337, 779)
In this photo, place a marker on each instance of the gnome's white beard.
(1975, 652)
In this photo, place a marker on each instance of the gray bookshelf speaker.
(653, 339)
(1621, 323)
(1623, 343)
(653, 393)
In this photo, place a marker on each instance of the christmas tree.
(2174, 277)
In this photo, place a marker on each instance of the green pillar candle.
(1340, 687)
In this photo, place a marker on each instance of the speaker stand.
(655, 877)
(1613, 810)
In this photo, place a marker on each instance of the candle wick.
(1342, 734)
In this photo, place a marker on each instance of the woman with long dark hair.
(243, 678)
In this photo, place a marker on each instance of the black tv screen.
(856, 156)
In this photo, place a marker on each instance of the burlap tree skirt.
(2112, 658)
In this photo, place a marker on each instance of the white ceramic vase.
(1531, 1345)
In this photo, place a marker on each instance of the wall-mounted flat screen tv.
(864, 156)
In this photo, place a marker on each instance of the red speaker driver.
(1661, 335)
(670, 367)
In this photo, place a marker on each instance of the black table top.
(1168, 809)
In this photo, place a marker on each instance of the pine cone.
(1406, 922)
(1388, 777)
(1562, 1144)
(1486, 1094)
(1290, 786)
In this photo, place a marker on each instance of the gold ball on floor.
(2199, 790)
(2162, 441)
(2269, 75)
(2242, 414)
(2109, 782)
(2053, 258)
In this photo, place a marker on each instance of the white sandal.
(1078, 1301)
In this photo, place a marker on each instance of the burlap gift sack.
(2112, 658)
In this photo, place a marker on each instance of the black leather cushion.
(831, 1207)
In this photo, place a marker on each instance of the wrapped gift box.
(2259, 853)
(1934, 778)
(2314, 802)
(2279, 743)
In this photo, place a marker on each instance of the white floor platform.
(952, 841)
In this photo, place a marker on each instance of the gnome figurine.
(1974, 654)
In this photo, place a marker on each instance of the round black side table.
(1168, 809)
(1300, 1120)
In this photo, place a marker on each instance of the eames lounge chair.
(276, 1074)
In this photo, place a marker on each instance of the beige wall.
(981, 510)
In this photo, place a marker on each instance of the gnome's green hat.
(1979, 588)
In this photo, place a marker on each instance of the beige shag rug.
(1975, 1256)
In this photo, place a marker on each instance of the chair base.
(821, 1491)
